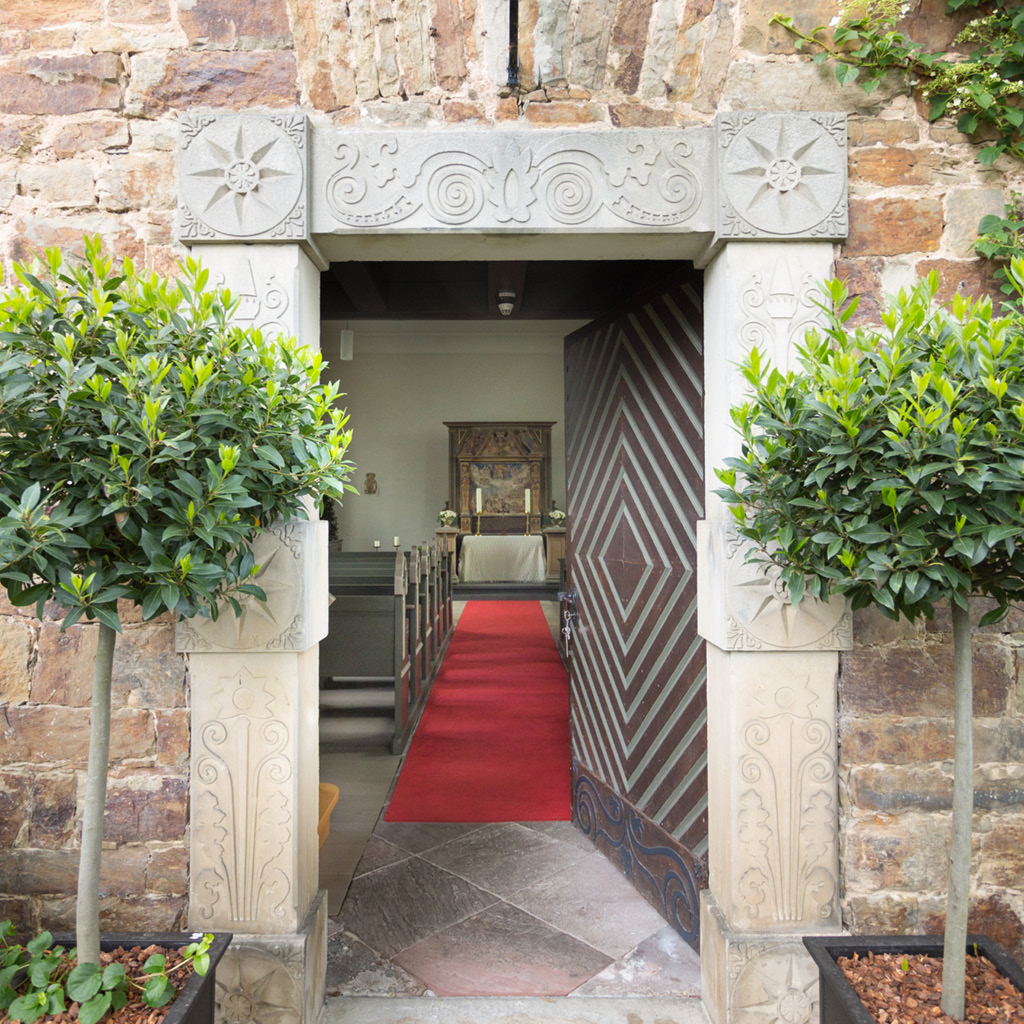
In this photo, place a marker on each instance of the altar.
(502, 560)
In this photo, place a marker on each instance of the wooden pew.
(367, 642)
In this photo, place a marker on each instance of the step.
(364, 698)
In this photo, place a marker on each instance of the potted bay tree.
(890, 469)
(145, 441)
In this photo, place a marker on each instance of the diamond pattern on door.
(635, 450)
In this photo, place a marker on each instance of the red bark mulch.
(897, 996)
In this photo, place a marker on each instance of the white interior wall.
(406, 379)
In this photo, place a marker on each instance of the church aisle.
(510, 909)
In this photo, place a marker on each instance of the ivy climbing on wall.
(979, 81)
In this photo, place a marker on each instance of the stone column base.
(276, 977)
(755, 977)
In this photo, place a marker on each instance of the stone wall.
(89, 95)
(895, 732)
(45, 684)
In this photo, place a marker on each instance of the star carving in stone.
(257, 618)
(240, 173)
(783, 170)
(786, 1000)
(768, 603)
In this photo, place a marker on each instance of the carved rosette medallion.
(782, 175)
(256, 987)
(745, 605)
(509, 178)
(274, 625)
(243, 176)
(771, 983)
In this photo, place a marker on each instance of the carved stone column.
(772, 667)
(243, 186)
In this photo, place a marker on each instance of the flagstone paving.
(511, 909)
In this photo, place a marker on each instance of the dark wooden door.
(635, 452)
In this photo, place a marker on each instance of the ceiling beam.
(361, 286)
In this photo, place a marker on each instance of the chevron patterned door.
(635, 450)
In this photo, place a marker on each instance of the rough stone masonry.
(90, 91)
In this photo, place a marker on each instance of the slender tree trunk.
(87, 915)
(954, 953)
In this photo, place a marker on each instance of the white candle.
(526, 498)
(396, 542)
(479, 501)
(376, 543)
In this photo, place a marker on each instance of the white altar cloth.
(502, 560)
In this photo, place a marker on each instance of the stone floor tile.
(353, 969)
(663, 965)
(505, 858)
(400, 905)
(379, 853)
(502, 951)
(419, 837)
(594, 902)
(564, 831)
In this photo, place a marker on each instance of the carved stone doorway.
(756, 200)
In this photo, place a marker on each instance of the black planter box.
(840, 1004)
(195, 1003)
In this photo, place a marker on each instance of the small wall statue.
(370, 484)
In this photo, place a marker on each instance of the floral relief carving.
(274, 624)
(778, 312)
(787, 807)
(243, 822)
(254, 987)
(761, 615)
(457, 180)
(263, 300)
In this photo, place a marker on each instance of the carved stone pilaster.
(742, 604)
(772, 789)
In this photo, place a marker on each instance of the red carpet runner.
(493, 743)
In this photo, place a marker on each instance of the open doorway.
(431, 344)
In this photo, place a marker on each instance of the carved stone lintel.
(743, 605)
(420, 180)
(250, 176)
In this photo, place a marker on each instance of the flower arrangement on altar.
(447, 517)
(557, 517)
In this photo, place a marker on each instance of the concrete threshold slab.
(512, 1010)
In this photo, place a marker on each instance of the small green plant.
(41, 978)
(979, 83)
